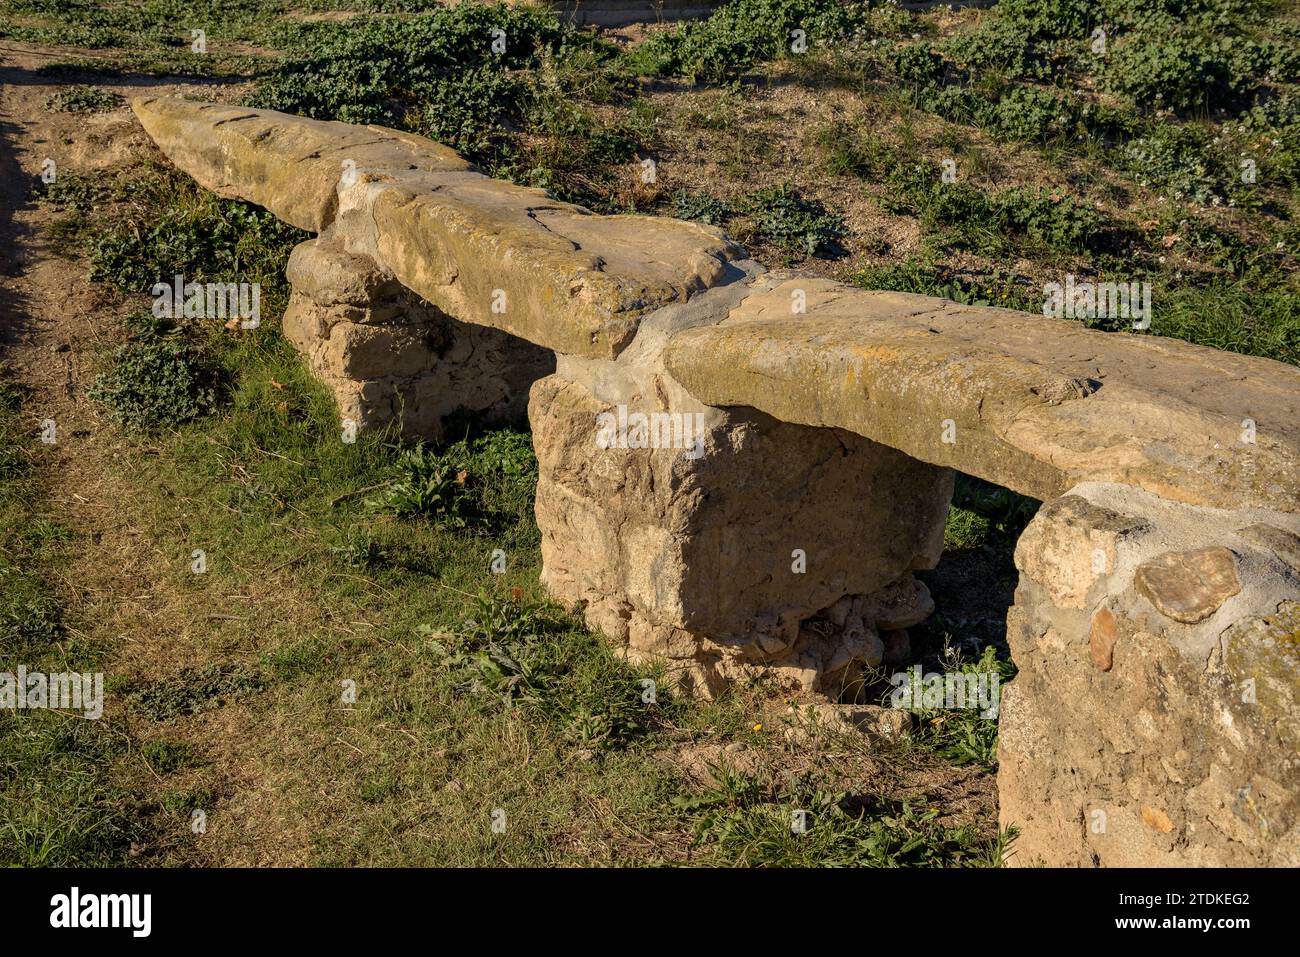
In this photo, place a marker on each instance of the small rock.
(1102, 637)
(1189, 586)
(893, 724)
(1155, 818)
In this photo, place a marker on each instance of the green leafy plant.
(465, 111)
(1179, 72)
(83, 99)
(380, 69)
(483, 483)
(701, 207)
(208, 240)
(803, 227)
(916, 64)
(743, 821)
(167, 757)
(963, 735)
(29, 623)
(999, 288)
(155, 382)
(739, 35)
(192, 690)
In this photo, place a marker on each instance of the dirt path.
(54, 323)
(52, 318)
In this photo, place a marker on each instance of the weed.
(998, 289)
(483, 483)
(83, 99)
(203, 238)
(167, 757)
(739, 35)
(192, 690)
(29, 623)
(963, 735)
(158, 382)
(801, 227)
(744, 822)
(701, 207)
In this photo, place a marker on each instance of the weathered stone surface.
(1189, 586)
(1262, 657)
(696, 560)
(1284, 545)
(389, 357)
(731, 555)
(1031, 403)
(481, 250)
(1073, 548)
(289, 164)
(1129, 738)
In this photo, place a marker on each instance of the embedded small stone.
(1155, 818)
(1189, 586)
(1101, 639)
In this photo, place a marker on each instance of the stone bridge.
(740, 470)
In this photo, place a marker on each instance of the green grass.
(59, 802)
(748, 822)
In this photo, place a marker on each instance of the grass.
(60, 804)
(747, 822)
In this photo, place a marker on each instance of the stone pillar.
(389, 357)
(739, 544)
(1155, 719)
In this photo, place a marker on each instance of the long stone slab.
(1031, 403)
(482, 250)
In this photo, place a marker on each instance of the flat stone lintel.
(1027, 402)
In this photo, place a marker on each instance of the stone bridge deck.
(1156, 715)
